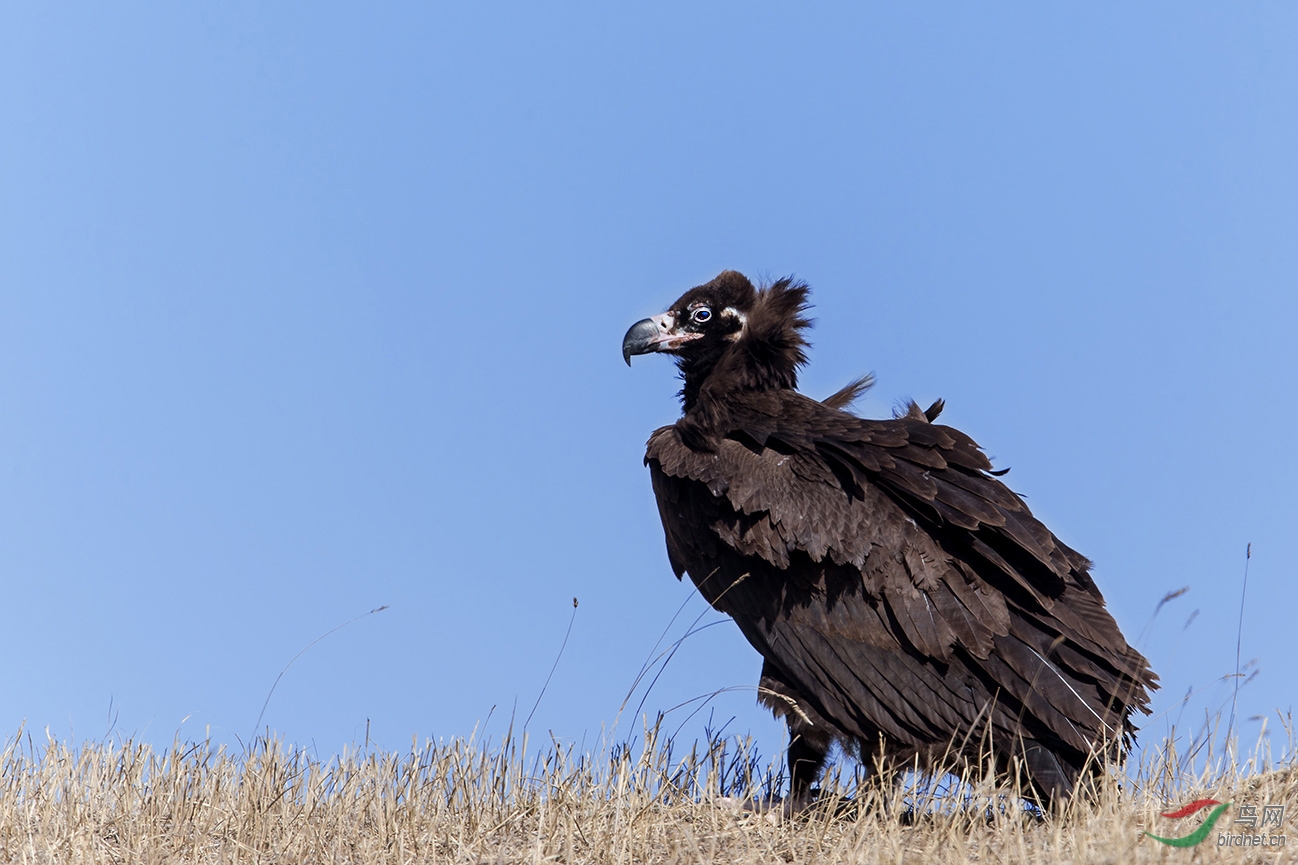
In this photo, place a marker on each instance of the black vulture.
(907, 604)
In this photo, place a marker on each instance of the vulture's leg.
(810, 735)
(1046, 780)
(806, 759)
(1048, 776)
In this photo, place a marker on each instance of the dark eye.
(701, 314)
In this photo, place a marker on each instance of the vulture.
(906, 603)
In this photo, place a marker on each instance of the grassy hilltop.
(463, 801)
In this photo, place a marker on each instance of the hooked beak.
(657, 334)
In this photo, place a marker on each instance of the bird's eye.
(701, 314)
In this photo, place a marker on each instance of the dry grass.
(471, 802)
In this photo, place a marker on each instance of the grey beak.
(640, 339)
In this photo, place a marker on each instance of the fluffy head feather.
(771, 348)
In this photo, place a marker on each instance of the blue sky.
(306, 309)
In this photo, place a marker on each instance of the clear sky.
(309, 308)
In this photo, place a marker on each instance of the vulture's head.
(706, 320)
(727, 327)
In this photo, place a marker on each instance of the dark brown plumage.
(906, 602)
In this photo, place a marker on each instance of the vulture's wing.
(892, 579)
